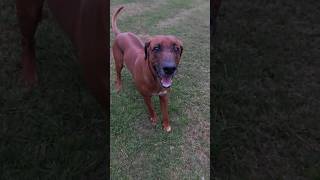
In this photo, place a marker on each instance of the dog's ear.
(179, 42)
(146, 46)
(181, 47)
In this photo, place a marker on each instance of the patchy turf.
(267, 90)
(137, 150)
(54, 131)
(136, 8)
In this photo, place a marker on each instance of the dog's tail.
(114, 21)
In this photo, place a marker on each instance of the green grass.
(139, 151)
(54, 131)
(266, 90)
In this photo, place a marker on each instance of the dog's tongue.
(166, 82)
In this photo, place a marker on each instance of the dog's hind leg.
(118, 59)
(29, 15)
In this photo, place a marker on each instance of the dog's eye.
(176, 49)
(156, 48)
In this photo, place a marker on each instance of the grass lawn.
(267, 90)
(54, 131)
(139, 151)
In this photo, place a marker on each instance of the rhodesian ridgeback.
(85, 23)
(152, 66)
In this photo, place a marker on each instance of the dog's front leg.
(29, 16)
(164, 110)
(152, 113)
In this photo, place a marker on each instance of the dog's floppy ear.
(181, 47)
(146, 46)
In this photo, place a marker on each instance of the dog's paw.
(153, 121)
(118, 89)
(167, 129)
(118, 86)
(29, 79)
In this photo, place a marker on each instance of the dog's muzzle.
(165, 74)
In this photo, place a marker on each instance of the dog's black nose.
(169, 70)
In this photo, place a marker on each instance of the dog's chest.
(160, 93)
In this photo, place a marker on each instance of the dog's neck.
(152, 70)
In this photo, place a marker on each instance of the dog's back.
(127, 47)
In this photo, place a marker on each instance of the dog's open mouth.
(166, 82)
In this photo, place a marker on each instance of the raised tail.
(114, 21)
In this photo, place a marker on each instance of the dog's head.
(164, 54)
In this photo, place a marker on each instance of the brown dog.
(85, 23)
(152, 66)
